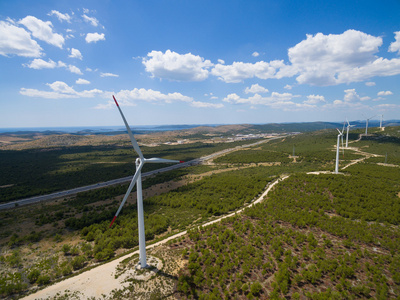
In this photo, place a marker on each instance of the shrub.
(43, 279)
(66, 270)
(65, 248)
(78, 262)
(33, 275)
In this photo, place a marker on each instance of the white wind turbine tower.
(137, 178)
(366, 125)
(380, 126)
(337, 151)
(347, 133)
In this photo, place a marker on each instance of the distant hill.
(239, 128)
(17, 140)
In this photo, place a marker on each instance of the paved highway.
(74, 191)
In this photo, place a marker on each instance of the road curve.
(101, 280)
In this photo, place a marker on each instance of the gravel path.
(101, 281)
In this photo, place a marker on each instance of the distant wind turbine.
(366, 125)
(342, 138)
(381, 122)
(137, 178)
(347, 133)
(337, 151)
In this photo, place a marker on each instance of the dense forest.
(27, 173)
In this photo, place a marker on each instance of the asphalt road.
(74, 191)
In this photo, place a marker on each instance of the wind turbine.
(381, 122)
(137, 178)
(342, 138)
(366, 125)
(347, 133)
(337, 151)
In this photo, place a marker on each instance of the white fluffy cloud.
(239, 71)
(39, 64)
(352, 96)
(255, 89)
(75, 53)
(60, 16)
(82, 81)
(43, 31)
(370, 83)
(328, 59)
(94, 37)
(315, 99)
(108, 75)
(151, 96)
(200, 104)
(379, 67)
(91, 20)
(74, 69)
(131, 97)
(395, 46)
(321, 60)
(276, 100)
(174, 66)
(60, 90)
(350, 99)
(255, 54)
(17, 41)
(385, 93)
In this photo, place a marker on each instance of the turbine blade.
(133, 141)
(162, 160)
(131, 185)
(342, 146)
(339, 131)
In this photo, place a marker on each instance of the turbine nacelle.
(137, 179)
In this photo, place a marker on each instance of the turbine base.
(139, 266)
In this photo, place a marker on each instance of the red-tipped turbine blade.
(115, 100)
(113, 220)
(181, 161)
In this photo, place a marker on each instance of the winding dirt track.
(101, 281)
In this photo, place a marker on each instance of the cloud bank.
(319, 60)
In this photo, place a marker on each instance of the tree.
(255, 288)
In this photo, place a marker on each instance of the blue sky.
(197, 62)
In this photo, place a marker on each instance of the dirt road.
(101, 280)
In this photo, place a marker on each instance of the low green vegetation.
(313, 231)
(26, 173)
(314, 237)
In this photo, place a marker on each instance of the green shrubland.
(314, 236)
